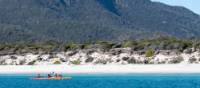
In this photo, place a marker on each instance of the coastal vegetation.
(76, 62)
(149, 46)
(148, 51)
(32, 62)
(57, 62)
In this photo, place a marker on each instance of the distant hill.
(92, 20)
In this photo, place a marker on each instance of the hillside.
(92, 20)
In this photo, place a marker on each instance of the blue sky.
(193, 5)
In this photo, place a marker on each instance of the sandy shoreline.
(95, 69)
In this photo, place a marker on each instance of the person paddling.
(49, 76)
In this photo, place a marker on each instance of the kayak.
(65, 78)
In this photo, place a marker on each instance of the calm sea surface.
(106, 81)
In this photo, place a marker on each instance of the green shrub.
(71, 46)
(149, 53)
(85, 46)
(126, 44)
(57, 62)
(76, 62)
(32, 62)
(2, 47)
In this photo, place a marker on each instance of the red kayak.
(65, 78)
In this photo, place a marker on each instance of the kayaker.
(49, 76)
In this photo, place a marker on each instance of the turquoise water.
(106, 81)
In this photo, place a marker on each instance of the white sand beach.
(101, 69)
